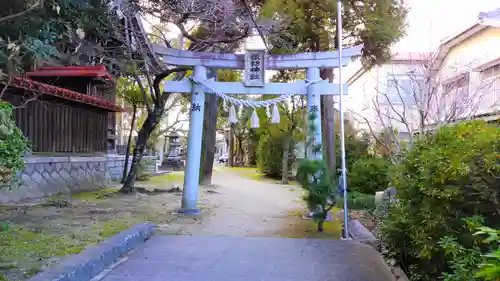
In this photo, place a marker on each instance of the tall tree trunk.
(328, 124)
(129, 144)
(231, 146)
(305, 116)
(209, 136)
(286, 152)
(203, 154)
(144, 133)
(241, 153)
(209, 139)
(321, 223)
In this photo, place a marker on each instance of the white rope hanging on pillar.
(254, 119)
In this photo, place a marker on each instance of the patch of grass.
(167, 178)
(299, 227)
(26, 250)
(113, 227)
(95, 195)
(357, 201)
(253, 174)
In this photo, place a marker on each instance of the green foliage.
(274, 138)
(311, 25)
(131, 93)
(12, 145)
(357, 201)
(314, 178)
(355, 148)
(443, 178)
(270, 155)
(369, 175)
(490, 267)
(470, 263)
(51, 32)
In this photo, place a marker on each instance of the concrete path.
(218, 258)
(218, 248)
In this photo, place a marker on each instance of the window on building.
(490, 90)
(404, 89)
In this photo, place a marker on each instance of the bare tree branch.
(37, 5)
(417, 99)
(6, 84)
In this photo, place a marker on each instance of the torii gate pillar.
(192, 175)
(314, 104)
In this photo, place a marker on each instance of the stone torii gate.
(254, 62)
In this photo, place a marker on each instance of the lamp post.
(343, 177)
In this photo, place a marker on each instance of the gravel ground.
(239, 206)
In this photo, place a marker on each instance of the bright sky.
(430, 21)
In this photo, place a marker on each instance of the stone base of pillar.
(189, 212)
(175, 164)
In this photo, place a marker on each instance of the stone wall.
(47, 176)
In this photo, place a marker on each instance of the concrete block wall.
(47, 176)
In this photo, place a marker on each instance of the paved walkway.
(219, 248)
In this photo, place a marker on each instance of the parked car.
(223, 158)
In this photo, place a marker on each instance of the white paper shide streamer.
(232, 115)
(275, 117)
(254, 119)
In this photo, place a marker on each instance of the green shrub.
(471, 263)
(357, 201)
(314, 178)
(489, 269)
(270, 156)
(369, 175)
(320, 191)
(443, 178)
(355, 148)
(12, 145)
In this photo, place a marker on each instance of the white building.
(417, 91)
(384, 96)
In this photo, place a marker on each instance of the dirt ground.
(36, 235)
